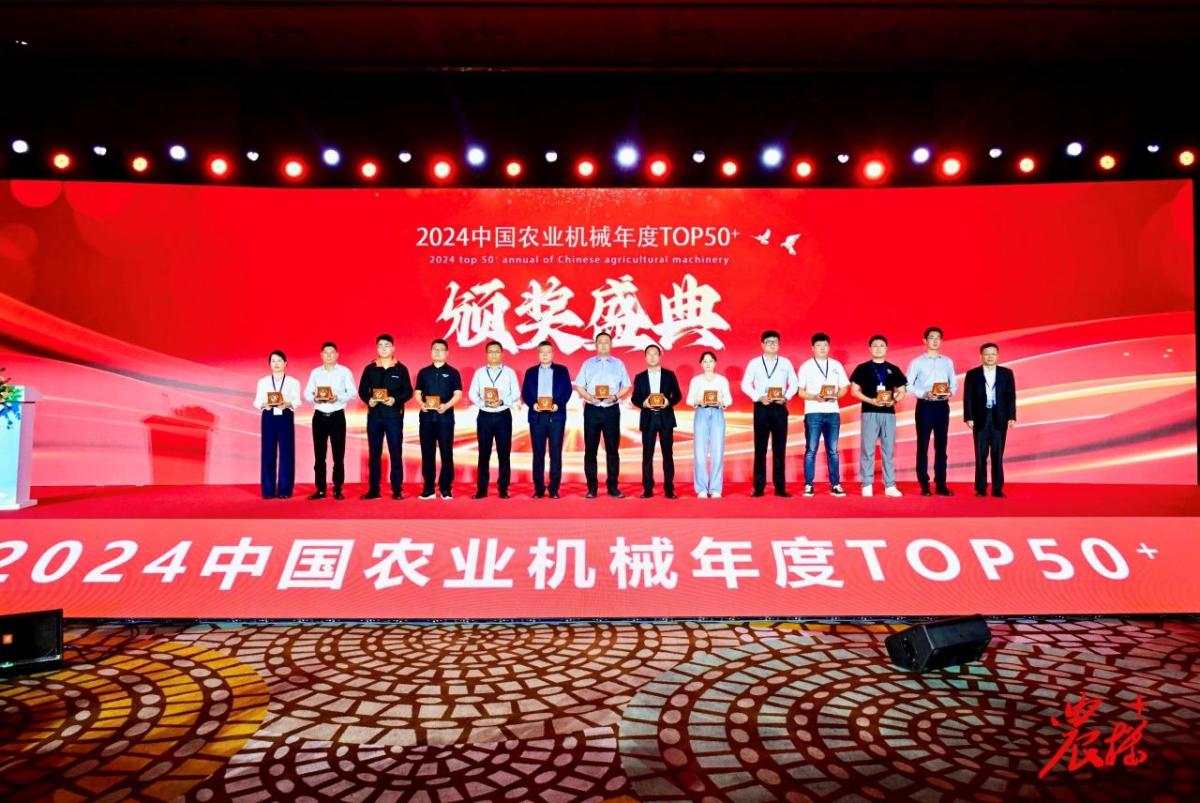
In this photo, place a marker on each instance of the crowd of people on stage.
(603, 383)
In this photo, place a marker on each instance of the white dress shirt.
(924, 371)
(503, 379)
(989, 385)
(289, 386)
(761, 374)
(339, 380)
(813, 374)
(699, 384)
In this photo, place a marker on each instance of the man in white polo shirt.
(822, 381)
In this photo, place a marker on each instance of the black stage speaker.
(937, 645)
(30, 642)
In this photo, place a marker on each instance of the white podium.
(16, 448)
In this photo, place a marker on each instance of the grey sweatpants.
(881, 427)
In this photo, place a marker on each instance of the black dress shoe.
(397, 495)
(981, 493)
(504, 495)
(647, 494)
(285, 496)
(338, 495)
(784, 494)
(317, 495)
(371, 495)
(616, 494)
(944, 491)
(554, 495)
(925, 491)
(590, 495)
(758, 493)
(670, 495)
(998, 494)
(538, 494)
(479, 495)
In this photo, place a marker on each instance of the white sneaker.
(837, 491)
(808, 490)
(447, 497)
(892, 490)
(868, 490)
(430, 495)
(714, 496)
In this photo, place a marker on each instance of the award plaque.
(884, 396)
(545, 404)
(432, 402)
(379, 394)
(274, 399)
(828, 392)
(774, 394)
(941, 389)
(491, 396)
(712, 397)
(656, 401)
(324, 394)
(601, 392)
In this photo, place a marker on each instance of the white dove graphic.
(764, 238)
(789, 243)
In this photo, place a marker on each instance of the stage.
(224, 552)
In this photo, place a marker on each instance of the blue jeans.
(815, 426)
(708, 430)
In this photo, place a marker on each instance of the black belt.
(331, 415)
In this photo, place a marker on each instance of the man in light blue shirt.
(925, 373)
(602, 383)
(494, 392)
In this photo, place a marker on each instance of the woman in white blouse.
(709, 426)
(278, 396)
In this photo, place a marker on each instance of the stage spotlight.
(729, 168)
(99, 150)
(874, 170)
(1074, 148)
(476, 156)
(404, 156)
(1187, 158)
(293, 168)
(1152, 148)
(551, 156)
(772, 157)
(218, 166)
(921, 155)
(1027, 164)
(803, 168)
(368, 170)
(442, 169)
(139, 164)
(995, 153)
(252, 155)
(843, 158)
(585, 168)
(698, 157)
(331, 157)
(513, 169)
(659, 167)
(951, 167)
(20, 146)
(177, 152)
(627, 156)
(61, 160)
(1107, 161)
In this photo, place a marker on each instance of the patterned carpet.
(709, 711)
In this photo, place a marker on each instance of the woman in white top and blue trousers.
(708, 428)
(278, 428)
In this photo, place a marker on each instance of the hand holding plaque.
(491, 397)
(828, 393)
(941, 390)
(656, 401)
(601, 392)
(379, 394)
(545, 404)
(774, 394)
(884, 397)
(431, 402)
(324, 394)
(274, 398)
(711, 398)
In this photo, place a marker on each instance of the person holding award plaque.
(602, 383)
(329, 387)
(494, 392)
(278, 396)
(990, 410)
(656, 392)
(879, 385)
(822, 381)
(931, 380)
(709, 394)
(438, 389)
(770, 381)
(384, 388)
(546, 389)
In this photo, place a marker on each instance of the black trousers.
(329, 430)
(377, 430)
(770, 422)
(933, 418)
(989, 442)
(666, 438)
(494, 427)
(437, 437)
(599, 421)
(543, 430)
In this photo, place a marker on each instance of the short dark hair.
(707, 354)
(819, 337)
(931, 330)
(329, 344)
(491, 343)
(439, 340)
(871, 342)
(656, 347)
(600, 335)
(988, 346)
(768, 334)
(387, 337)
(277, 353)
(545, 343)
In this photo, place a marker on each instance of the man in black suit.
(550, 380)
(990, 410)
(656, 392)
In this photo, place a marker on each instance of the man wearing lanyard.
(438, 389)
(822, 381)
(602, 383)
(933, 409)
(879, 385)
(334, 384)
(990, 410)
(494, 392)
(770, 381)
(384, 388)
(547, 421)
(656, 392)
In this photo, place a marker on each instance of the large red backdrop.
(145, 313)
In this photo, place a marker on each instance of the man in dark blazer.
(990, 410)
(546, 379)
(657, 420)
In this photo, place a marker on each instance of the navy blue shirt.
(440, 382)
